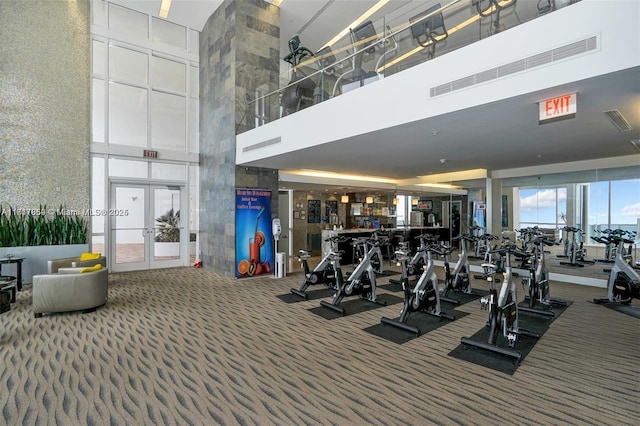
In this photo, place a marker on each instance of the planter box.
(36, 258)
(166, 249)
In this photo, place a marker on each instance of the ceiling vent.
(618, 120)
(635, 143)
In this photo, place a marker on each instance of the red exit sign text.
(558, 108)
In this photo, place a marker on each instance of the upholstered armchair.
(75, 262)
(70, 289)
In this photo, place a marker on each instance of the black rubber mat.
(426, 323)
(631, 310)
(463, 298)
(320, 293)
(355, 305)
(392, 287)
(506, 364)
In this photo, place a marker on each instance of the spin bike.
(423, 297)
(490, 257)
(610, 246)
(377, 258)
(479, 246)
(573, 249)
(539, 297)
(324, 272)
(503, 309)
(375, 252)
(458, 279)
(361, 282)
(624, 279)
(417, 263)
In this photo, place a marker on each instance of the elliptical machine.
(503, 309)
(423, 297)
(299, 93)
(361, 282)
(624, 279)
(324, 272)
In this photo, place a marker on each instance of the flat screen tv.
(364, 31)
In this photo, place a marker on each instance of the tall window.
(145, 89)
(614, 204)
(145, 81)
(599, 206)
(543, 207)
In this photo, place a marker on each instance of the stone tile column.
(239, 54)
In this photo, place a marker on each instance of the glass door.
(145, 227)
(169, 235)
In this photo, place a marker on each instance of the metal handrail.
(350, 55)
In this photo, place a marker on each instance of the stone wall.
(44, 103)
(239, 52)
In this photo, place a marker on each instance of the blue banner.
(254, 239)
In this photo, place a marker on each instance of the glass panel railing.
(379, 48)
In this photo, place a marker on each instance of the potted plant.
(41, 234)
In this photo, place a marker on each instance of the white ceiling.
(590, 135)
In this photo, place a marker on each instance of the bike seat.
(303, 254)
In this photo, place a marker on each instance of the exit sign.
(558, 108)
(150, 154)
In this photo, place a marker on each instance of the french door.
(146, 230)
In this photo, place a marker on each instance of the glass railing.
(380, 48)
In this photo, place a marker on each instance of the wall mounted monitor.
(426, 26)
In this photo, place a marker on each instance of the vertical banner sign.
(479, 216)
(254, 238)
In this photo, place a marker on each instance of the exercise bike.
(573, 249)
(491, 257)
(324, 272)
(538, 297)
(609, 245)
(417, 263)
(479, 246)
(377, 258)
(624, 279)
(375, 252)
(423, 297)
(361, 282)
(503, 309)
(458, 279)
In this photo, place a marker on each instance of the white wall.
(386, 103)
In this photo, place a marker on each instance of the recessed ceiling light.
(164, 9)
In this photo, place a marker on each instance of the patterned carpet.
(186, 346)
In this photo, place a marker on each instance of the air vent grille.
(560, 53)
(618, 120)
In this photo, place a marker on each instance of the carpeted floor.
(186, 346)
